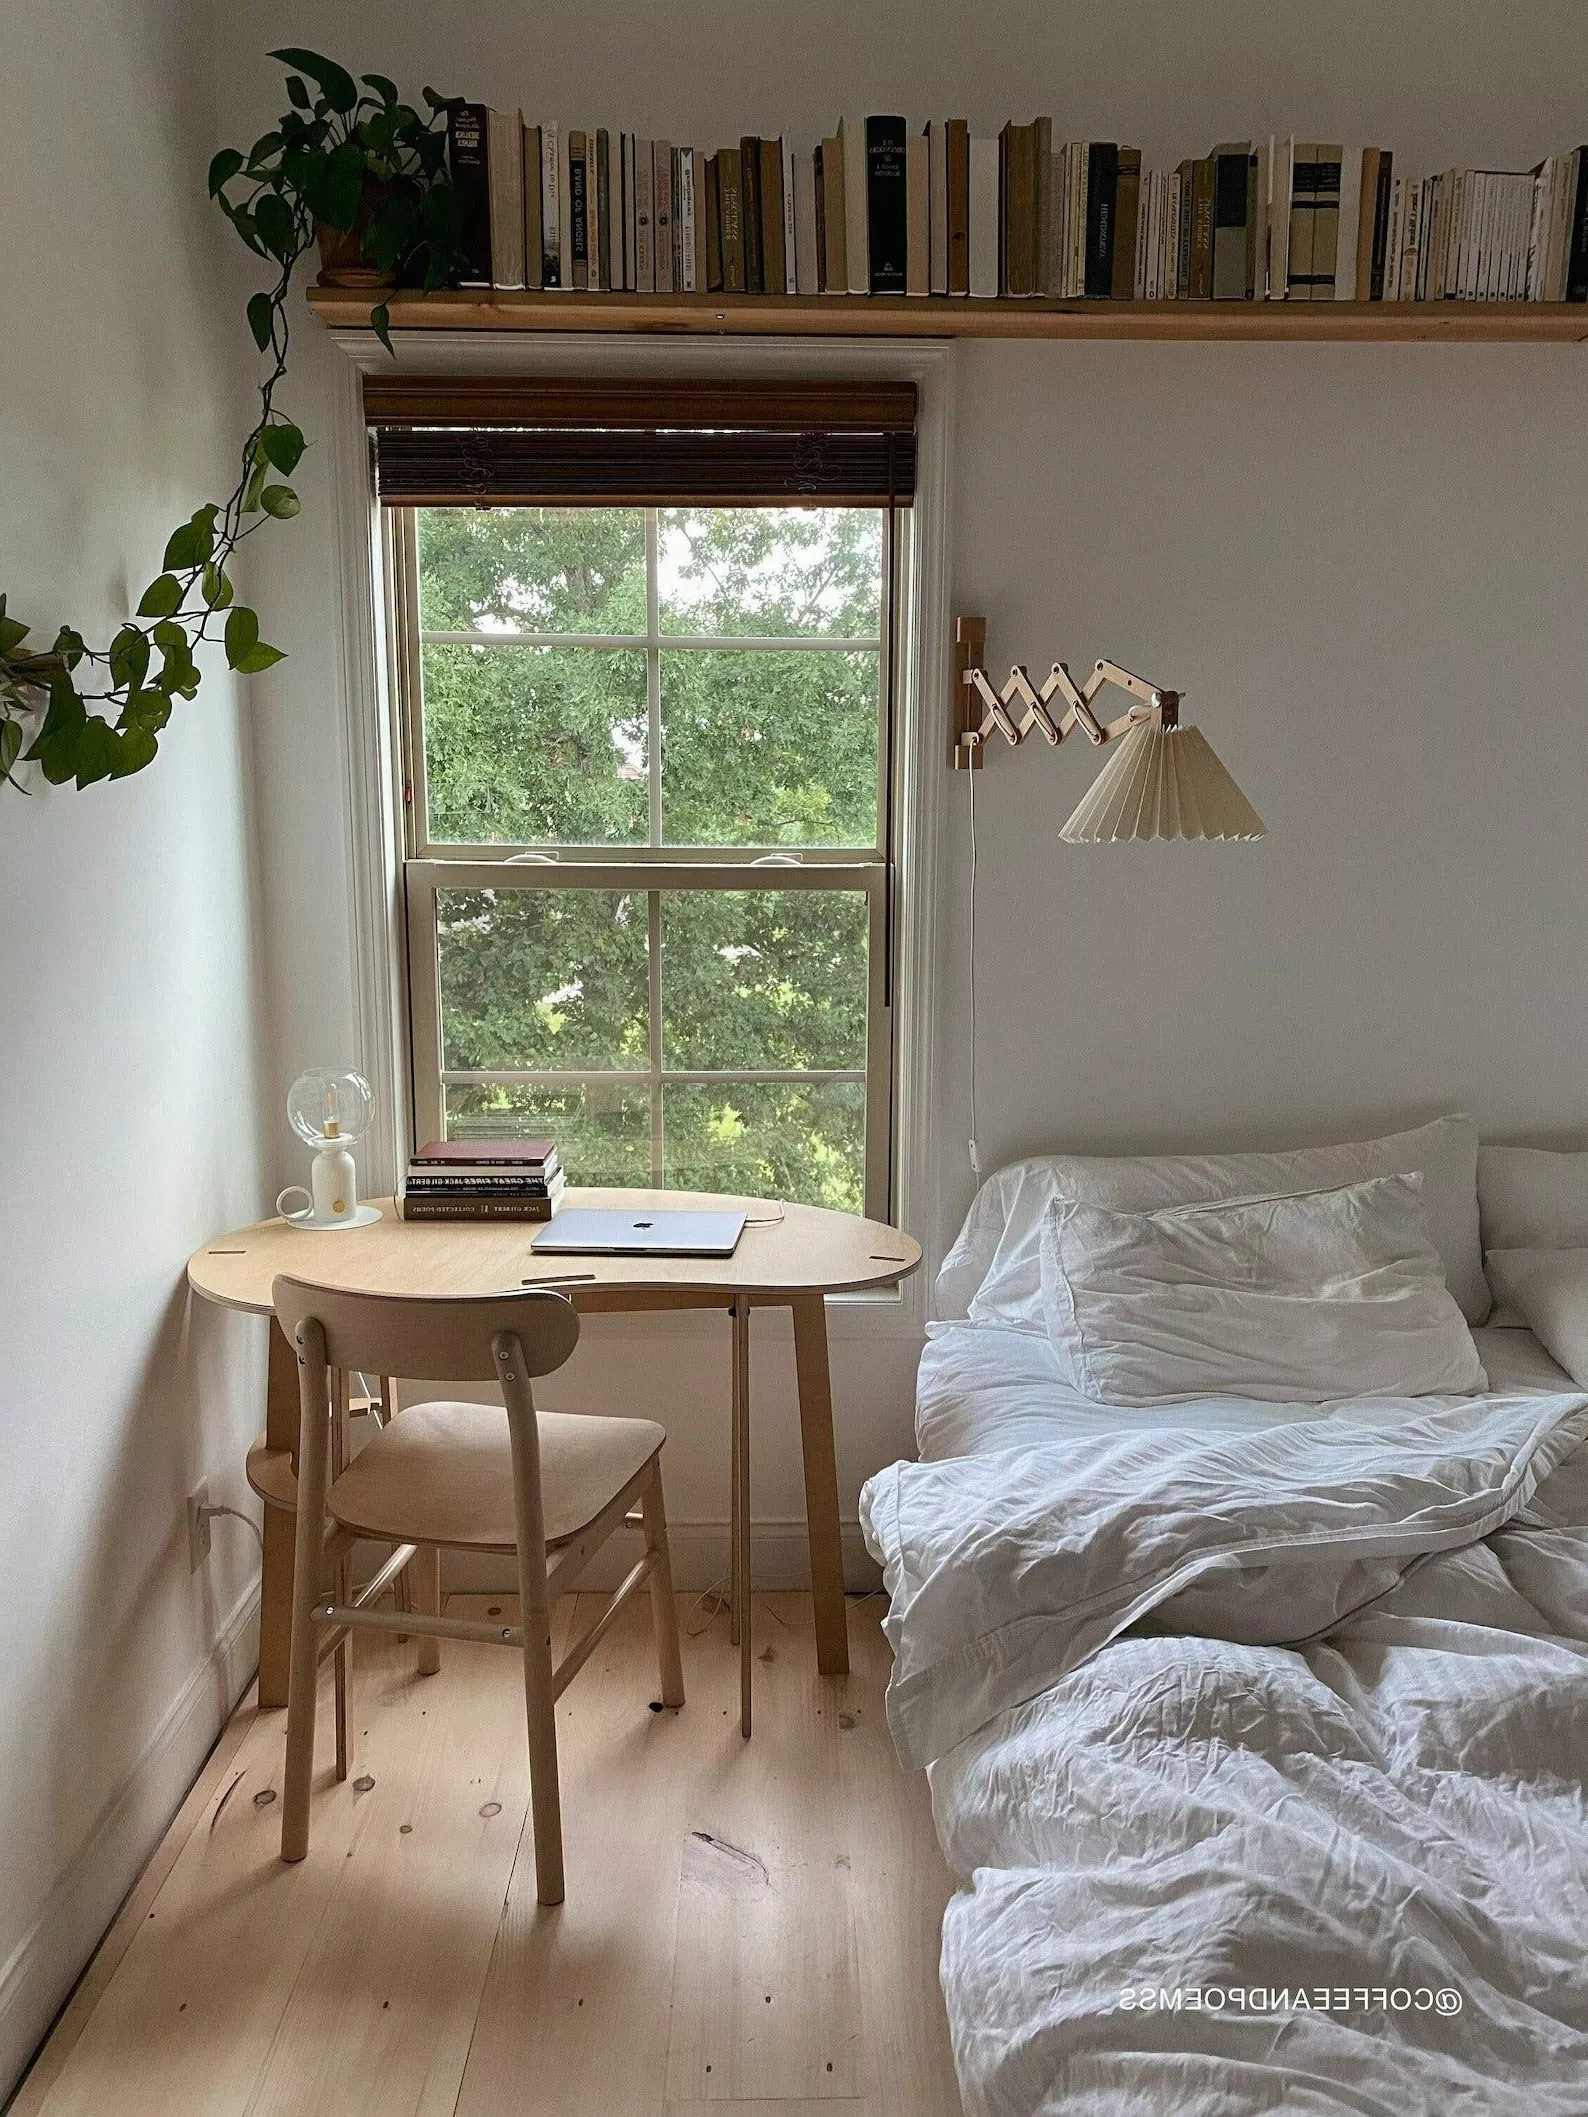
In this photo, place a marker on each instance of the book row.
(877, 208)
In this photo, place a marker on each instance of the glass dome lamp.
(330, 1112)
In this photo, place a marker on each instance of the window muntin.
(710, 1012)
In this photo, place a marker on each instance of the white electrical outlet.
(198, 1526)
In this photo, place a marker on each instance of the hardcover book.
(852, 138)
(578, 213)
(774, 245)
(644, 207)
(1229, 220)
(887, 206)
(533, 263)
(1102, 187)
(956, 150)
(1127, 205)
(662, 216)
(730, 206)
(551, 215)
(469, 158)
(486, 1153)
(504, 140)
(750, 214)
(834, 212)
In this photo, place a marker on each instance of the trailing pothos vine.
(351, 168)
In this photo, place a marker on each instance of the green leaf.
(98, 752)
(334, 189)
(380, 324)
(161, 597)
(136, 748)
(386, 90)
(216, 588)
(242, 635)
(260, 314)
(280, 501)
(129, 656)
(70, 646)
(256, 485)
(12, 631)
(297, 94)
(257, 659)
(275, 225)
(223, 168)
(55, 750)
(334, 82)
(145, 708)
(184, 548)
(283, 446)
(10, 745)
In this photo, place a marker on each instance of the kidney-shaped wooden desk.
(789, 1256)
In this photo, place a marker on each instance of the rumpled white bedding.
(1254, 1742)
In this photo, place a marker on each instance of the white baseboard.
(46, 1963)
(779, 1558)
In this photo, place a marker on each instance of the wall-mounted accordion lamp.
(1163, 780)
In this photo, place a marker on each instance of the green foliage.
(761, 750)
(355, 159)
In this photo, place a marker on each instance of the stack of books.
(483, 1179)
(879, 207)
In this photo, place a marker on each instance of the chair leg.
(308, 1561)
(664, 1611)
(426, 1569)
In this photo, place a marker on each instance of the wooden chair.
(460, 1476)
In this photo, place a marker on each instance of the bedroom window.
(648, 806)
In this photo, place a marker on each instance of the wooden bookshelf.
(893, 316)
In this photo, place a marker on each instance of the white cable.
(975, 1156)
(208, 1514)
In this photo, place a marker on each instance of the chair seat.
(443, 1474)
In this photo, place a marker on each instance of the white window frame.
(373, 766)
(654, 867)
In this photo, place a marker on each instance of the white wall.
(1359, 562)
(128, 1012)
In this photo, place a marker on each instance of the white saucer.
(361, 1217)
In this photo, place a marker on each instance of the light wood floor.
(749, 1927)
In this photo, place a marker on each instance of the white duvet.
(1262, 1753)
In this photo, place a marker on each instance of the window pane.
(769, 749)
(532, 569)
(771, 570)
(756, 979)
(543, 981)
(535, 745)
(769, 1140)
(603, 1133)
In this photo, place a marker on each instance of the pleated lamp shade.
(1162, 783)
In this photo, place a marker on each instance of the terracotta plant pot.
(342, 262)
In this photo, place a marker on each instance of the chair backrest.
(430, 1338)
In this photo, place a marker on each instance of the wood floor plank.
(901, 1884)
(383, 2011)
(766, 1997)
(573, 2019)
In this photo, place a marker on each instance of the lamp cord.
(975, 1155)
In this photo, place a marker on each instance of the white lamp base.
(360, 1217)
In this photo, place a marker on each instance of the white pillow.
(1532, 1200)
(993, 1272)
(1550, 1290)
(1295, 1299)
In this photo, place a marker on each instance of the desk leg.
(275, 1588)
(821, 1483)
(741, 1501)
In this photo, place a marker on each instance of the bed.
(1256, 1731)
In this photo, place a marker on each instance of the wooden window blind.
(471, 443)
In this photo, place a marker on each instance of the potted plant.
(360, 175)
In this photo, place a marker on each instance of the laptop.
(599, 1231)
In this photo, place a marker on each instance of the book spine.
(1382, 196)
(534, 257)
(887, 206)
(1257, 223)
(984, 219)
(774, 250)
(809, 275)
(1127, 210)
(476, 1209)
(1182, 270)
(956, 202)
(479, 1187)
(698, 166)
(661, 216)
(1326, 220)
(819, 206)
(1054, 275)
(686, 221)
(1042, 226)
(601, 221)
(937, 206)
(578, 213)
(644, 223)
(1367, 209)
(918, 185)
(550, 207)
(1303, 174)
(713, 229)
(504, 137)
(468, 155)
(1170, 290)
(1563, 191)
(1576, 275)
(791, 277)
(1102, 199)
(625, 208)
(857, 256)
(1229, 223)
(835, 217)
(1281, 162)
(750, 214)
(1202, 231)
(564, 210)
(730, 206)
(1144, 277)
